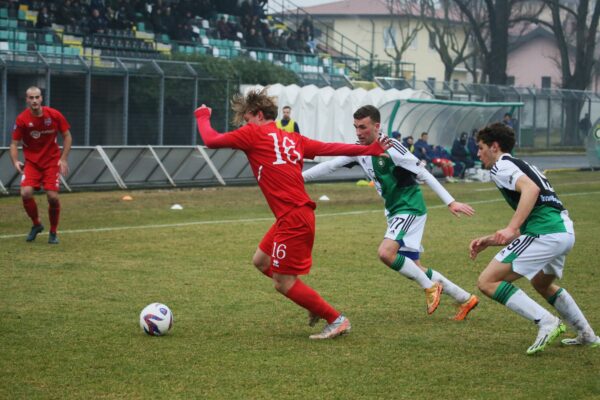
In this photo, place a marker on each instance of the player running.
(37, 128)
(395, 175)
(539, 236)
(276, 158)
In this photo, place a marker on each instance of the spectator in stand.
(441, 159)
(44, 19)
(156, 19)
(461, 156)
(438, 157)
(66, 14)
(409, 143)
(472, 145)
(508, 121)
(223, 29)
(97, 23)
(254, 39)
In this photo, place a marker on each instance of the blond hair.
(253, 102)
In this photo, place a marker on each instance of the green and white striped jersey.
(395, 178)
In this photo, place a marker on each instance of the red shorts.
(37, 177)
(289, 242)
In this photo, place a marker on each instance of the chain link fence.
(115, 101)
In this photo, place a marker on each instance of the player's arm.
(211, 138)
(403, 158)
(529, 195)
(326, 167)
(478, 245)
(14, 155)
(313, 148)
(63, 162)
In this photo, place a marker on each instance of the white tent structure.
(325, 113)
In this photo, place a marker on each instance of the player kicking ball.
(395, 175)
(276, 158)
(539, 236)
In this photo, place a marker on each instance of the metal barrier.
(126, 167)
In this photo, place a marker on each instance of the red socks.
(53, 214)
(31, 210)
(308, 298)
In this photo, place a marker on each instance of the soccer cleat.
(34, 232)
(465, 308)
(52, 238)
(340, 326)
(313, 319)
(433, 296)
(546, 335)
(582, 339)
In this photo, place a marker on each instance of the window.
(414, 44)
(432, 41)
(389, 37)
(546, 82)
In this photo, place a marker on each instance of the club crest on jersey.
(35, 134)
(31, 124)
(381, 162)
(48, 121)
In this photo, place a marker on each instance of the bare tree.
(575, 27)
(491, 30)
(449, 33)
(406, 26)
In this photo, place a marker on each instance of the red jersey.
(276, 158)
(39, 134)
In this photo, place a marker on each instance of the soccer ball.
(156, 319)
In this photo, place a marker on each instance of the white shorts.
(408, 228)
(530, 255)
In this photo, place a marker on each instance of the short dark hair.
(508, 115)
(286, 107)
(368, 111)
(424, 133)
(498, 132)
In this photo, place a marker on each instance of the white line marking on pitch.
(249, 220)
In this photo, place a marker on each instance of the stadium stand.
(157, 29)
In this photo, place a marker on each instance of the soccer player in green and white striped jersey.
(539, 236)
(395, 176)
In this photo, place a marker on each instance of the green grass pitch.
(69, 313)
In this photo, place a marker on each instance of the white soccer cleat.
(582, 339)
(546, 335)
(340, 326)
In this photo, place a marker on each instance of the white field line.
(250, 220)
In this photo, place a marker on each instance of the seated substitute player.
(539, 236)
(276, 158)
(395, 175)
(37, 128)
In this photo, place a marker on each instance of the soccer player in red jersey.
(37, 128)
(276, 158)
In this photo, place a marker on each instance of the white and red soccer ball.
(156, 319)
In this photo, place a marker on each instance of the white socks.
(523, 305)
(570, 312)
(451, 289)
